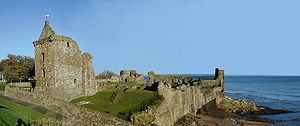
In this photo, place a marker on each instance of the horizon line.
(233, 74)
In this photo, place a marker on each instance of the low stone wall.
(72, 114)
(21, 84)
(183, 95)
(112, 79)
(104, 85)
(125, 76)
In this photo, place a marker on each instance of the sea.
(278, 92)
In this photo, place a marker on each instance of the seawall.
(184, 95)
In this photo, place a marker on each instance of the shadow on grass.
(4, 121)
(22, 123)
(2, 107)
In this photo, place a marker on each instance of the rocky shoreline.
(243, 108)
(230, 112)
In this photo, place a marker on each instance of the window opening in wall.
(43, 55)
(44, 72)
(68, 44)
(75, 81)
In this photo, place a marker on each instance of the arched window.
(68, 44)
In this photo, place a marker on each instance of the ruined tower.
(60, 67)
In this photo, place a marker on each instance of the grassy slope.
(101, 101)
(12, 113)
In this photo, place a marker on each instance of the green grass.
(2, 86)
(13, 114)
(129, 102)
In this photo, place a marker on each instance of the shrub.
(2, 86)
(105, 75)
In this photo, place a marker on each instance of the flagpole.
(47, 15)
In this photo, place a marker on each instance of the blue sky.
(167, 36)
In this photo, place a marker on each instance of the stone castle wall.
(44, 64)
(88, 76)
(72, 114)
(61, 69)
(184, 95)
(68, 68)
(126, 76)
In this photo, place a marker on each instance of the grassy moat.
(120, 103)
(12, 114)
(15, 114)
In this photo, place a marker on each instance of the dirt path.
(33, 106)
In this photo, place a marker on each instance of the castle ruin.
(60, 67)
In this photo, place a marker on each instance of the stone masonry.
(88, 76)
(125, 76)
(131, 76)
(60, 67)
(184, 95)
